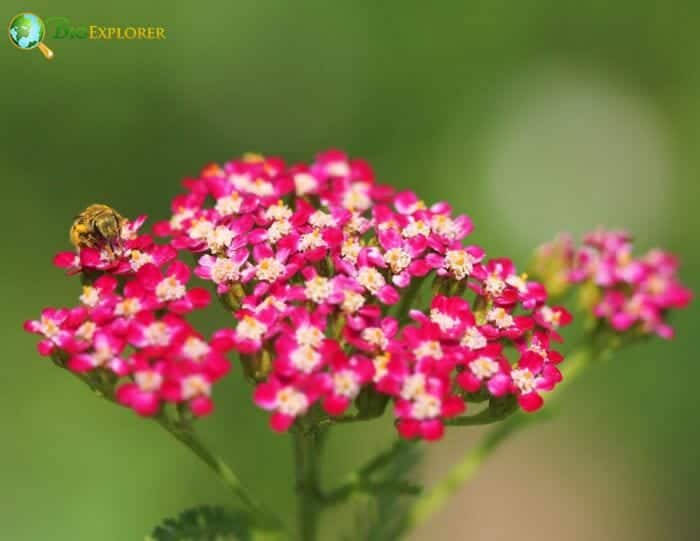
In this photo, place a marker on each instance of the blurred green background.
(533, 117)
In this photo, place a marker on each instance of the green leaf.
(205, 524)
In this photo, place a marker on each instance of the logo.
(27, 32)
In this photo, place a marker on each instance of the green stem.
(433, 500)
(307, 447)
(188, 437)
(184, 433)
(360, 480)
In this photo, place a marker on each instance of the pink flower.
(487, 366)
(143, 395)
(422, 405)
(106, 352)
(345, 381)
(170, 288)
(287, 401)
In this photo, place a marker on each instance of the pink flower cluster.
(342, 291)
(633, 293)
(130, 327)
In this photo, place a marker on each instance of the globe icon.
(27, 32)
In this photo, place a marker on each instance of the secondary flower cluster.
(325, 272)
(629, 293)
(130, 327)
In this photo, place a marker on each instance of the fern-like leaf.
(205, 523)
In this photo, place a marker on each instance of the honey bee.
(98, 226)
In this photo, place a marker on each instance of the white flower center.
(352, 301)
(419, 227)
(381, 364)
(157, 334)
(473, 339)
(280, 211)
(459, 262)
(291, 402)
(371, 279)
(524, 380)
(250, 328)
(308, 335)
(493, 285)
(442, 320)
(426, 406)
(338, 169)
(501, 318)
(278, 229)
(350, 249)
(200, 229)
(49, 327)
(90, 296)
(304, 183)
(345, 384)
(375, 336)
(309, 241)
(444, 225)
(195, 348)
(181, 216)
(224, 270)
(229, 204)
(413, 387)
(195, 385)
(148, 381)
(86, 331)
(428, 348)
(397, 259)
(170, 289)
(518, 282)
(220, 238)
(550, 316)
(269, 269)
(483, 367)
(320, 219)
(318, 289)
(305, 359)
(138, 259)
(357, 197)
(128, 307)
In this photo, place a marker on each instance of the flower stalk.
(307, 454)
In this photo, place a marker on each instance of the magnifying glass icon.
(27, 31)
